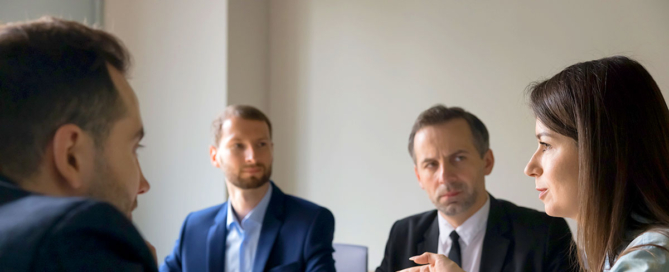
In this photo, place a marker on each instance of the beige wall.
(179, 75)
(348, 78)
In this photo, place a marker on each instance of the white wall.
(179, 74)
(248, 53)
(348, 78)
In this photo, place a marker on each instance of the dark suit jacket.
(296, 235)
(516, 239)
(42, 233)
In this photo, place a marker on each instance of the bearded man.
(259, 228)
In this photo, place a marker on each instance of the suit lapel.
(270, 229)
(216, 240)
(430, 238)
(496, 241)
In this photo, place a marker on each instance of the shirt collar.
(469, 229)
(256, 215)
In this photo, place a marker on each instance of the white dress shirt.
(471, 232)
(242, 240)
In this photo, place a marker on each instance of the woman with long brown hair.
(602, 160)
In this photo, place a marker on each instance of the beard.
(106, 187)
(465, 201)
(252, 182)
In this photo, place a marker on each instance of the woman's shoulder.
(656, 236)
(649, 251)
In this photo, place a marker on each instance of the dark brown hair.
(439, 114)
(53, 72)
(242, 111)
(616, 113)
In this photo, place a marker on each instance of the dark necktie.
(455, 254)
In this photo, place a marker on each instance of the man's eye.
(459, 158)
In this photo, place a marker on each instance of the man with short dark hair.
(451, 154)
(259, 228)
(69, 131)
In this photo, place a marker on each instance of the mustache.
(259, 165)
(451, 186)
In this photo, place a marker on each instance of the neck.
(459, 219)
(46, 181)
(244, 200)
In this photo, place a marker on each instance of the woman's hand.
(433, 263)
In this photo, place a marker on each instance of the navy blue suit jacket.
(42, 233)
(296, 235)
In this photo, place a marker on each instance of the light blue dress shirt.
(647, 258)
(242, 240)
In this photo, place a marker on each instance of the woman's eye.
(139, 146)
(545, 146)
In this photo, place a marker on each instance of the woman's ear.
(73, 156)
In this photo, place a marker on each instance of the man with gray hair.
(259, 228)
(451, 154)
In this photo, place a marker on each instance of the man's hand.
(433, 263)
(152, 249)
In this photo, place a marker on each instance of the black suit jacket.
(42, 233)
(516, 239)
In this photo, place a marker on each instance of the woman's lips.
(542, 193)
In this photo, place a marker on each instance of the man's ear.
(213, 156)
(73, 156)
(489, 160)
(415, 170)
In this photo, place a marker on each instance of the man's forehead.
(453, 130)
(123, 87)
(236, 126)
(453, 135)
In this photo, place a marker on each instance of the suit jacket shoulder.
(69, 234)
(416, 222)
(303, 208)
(527, 218)
(408, 237)
(523, 239)
(205, 216)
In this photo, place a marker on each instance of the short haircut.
(241, 111)
(54, 72)
(439, 114)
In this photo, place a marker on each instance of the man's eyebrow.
(428, 159)
(460, 151)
